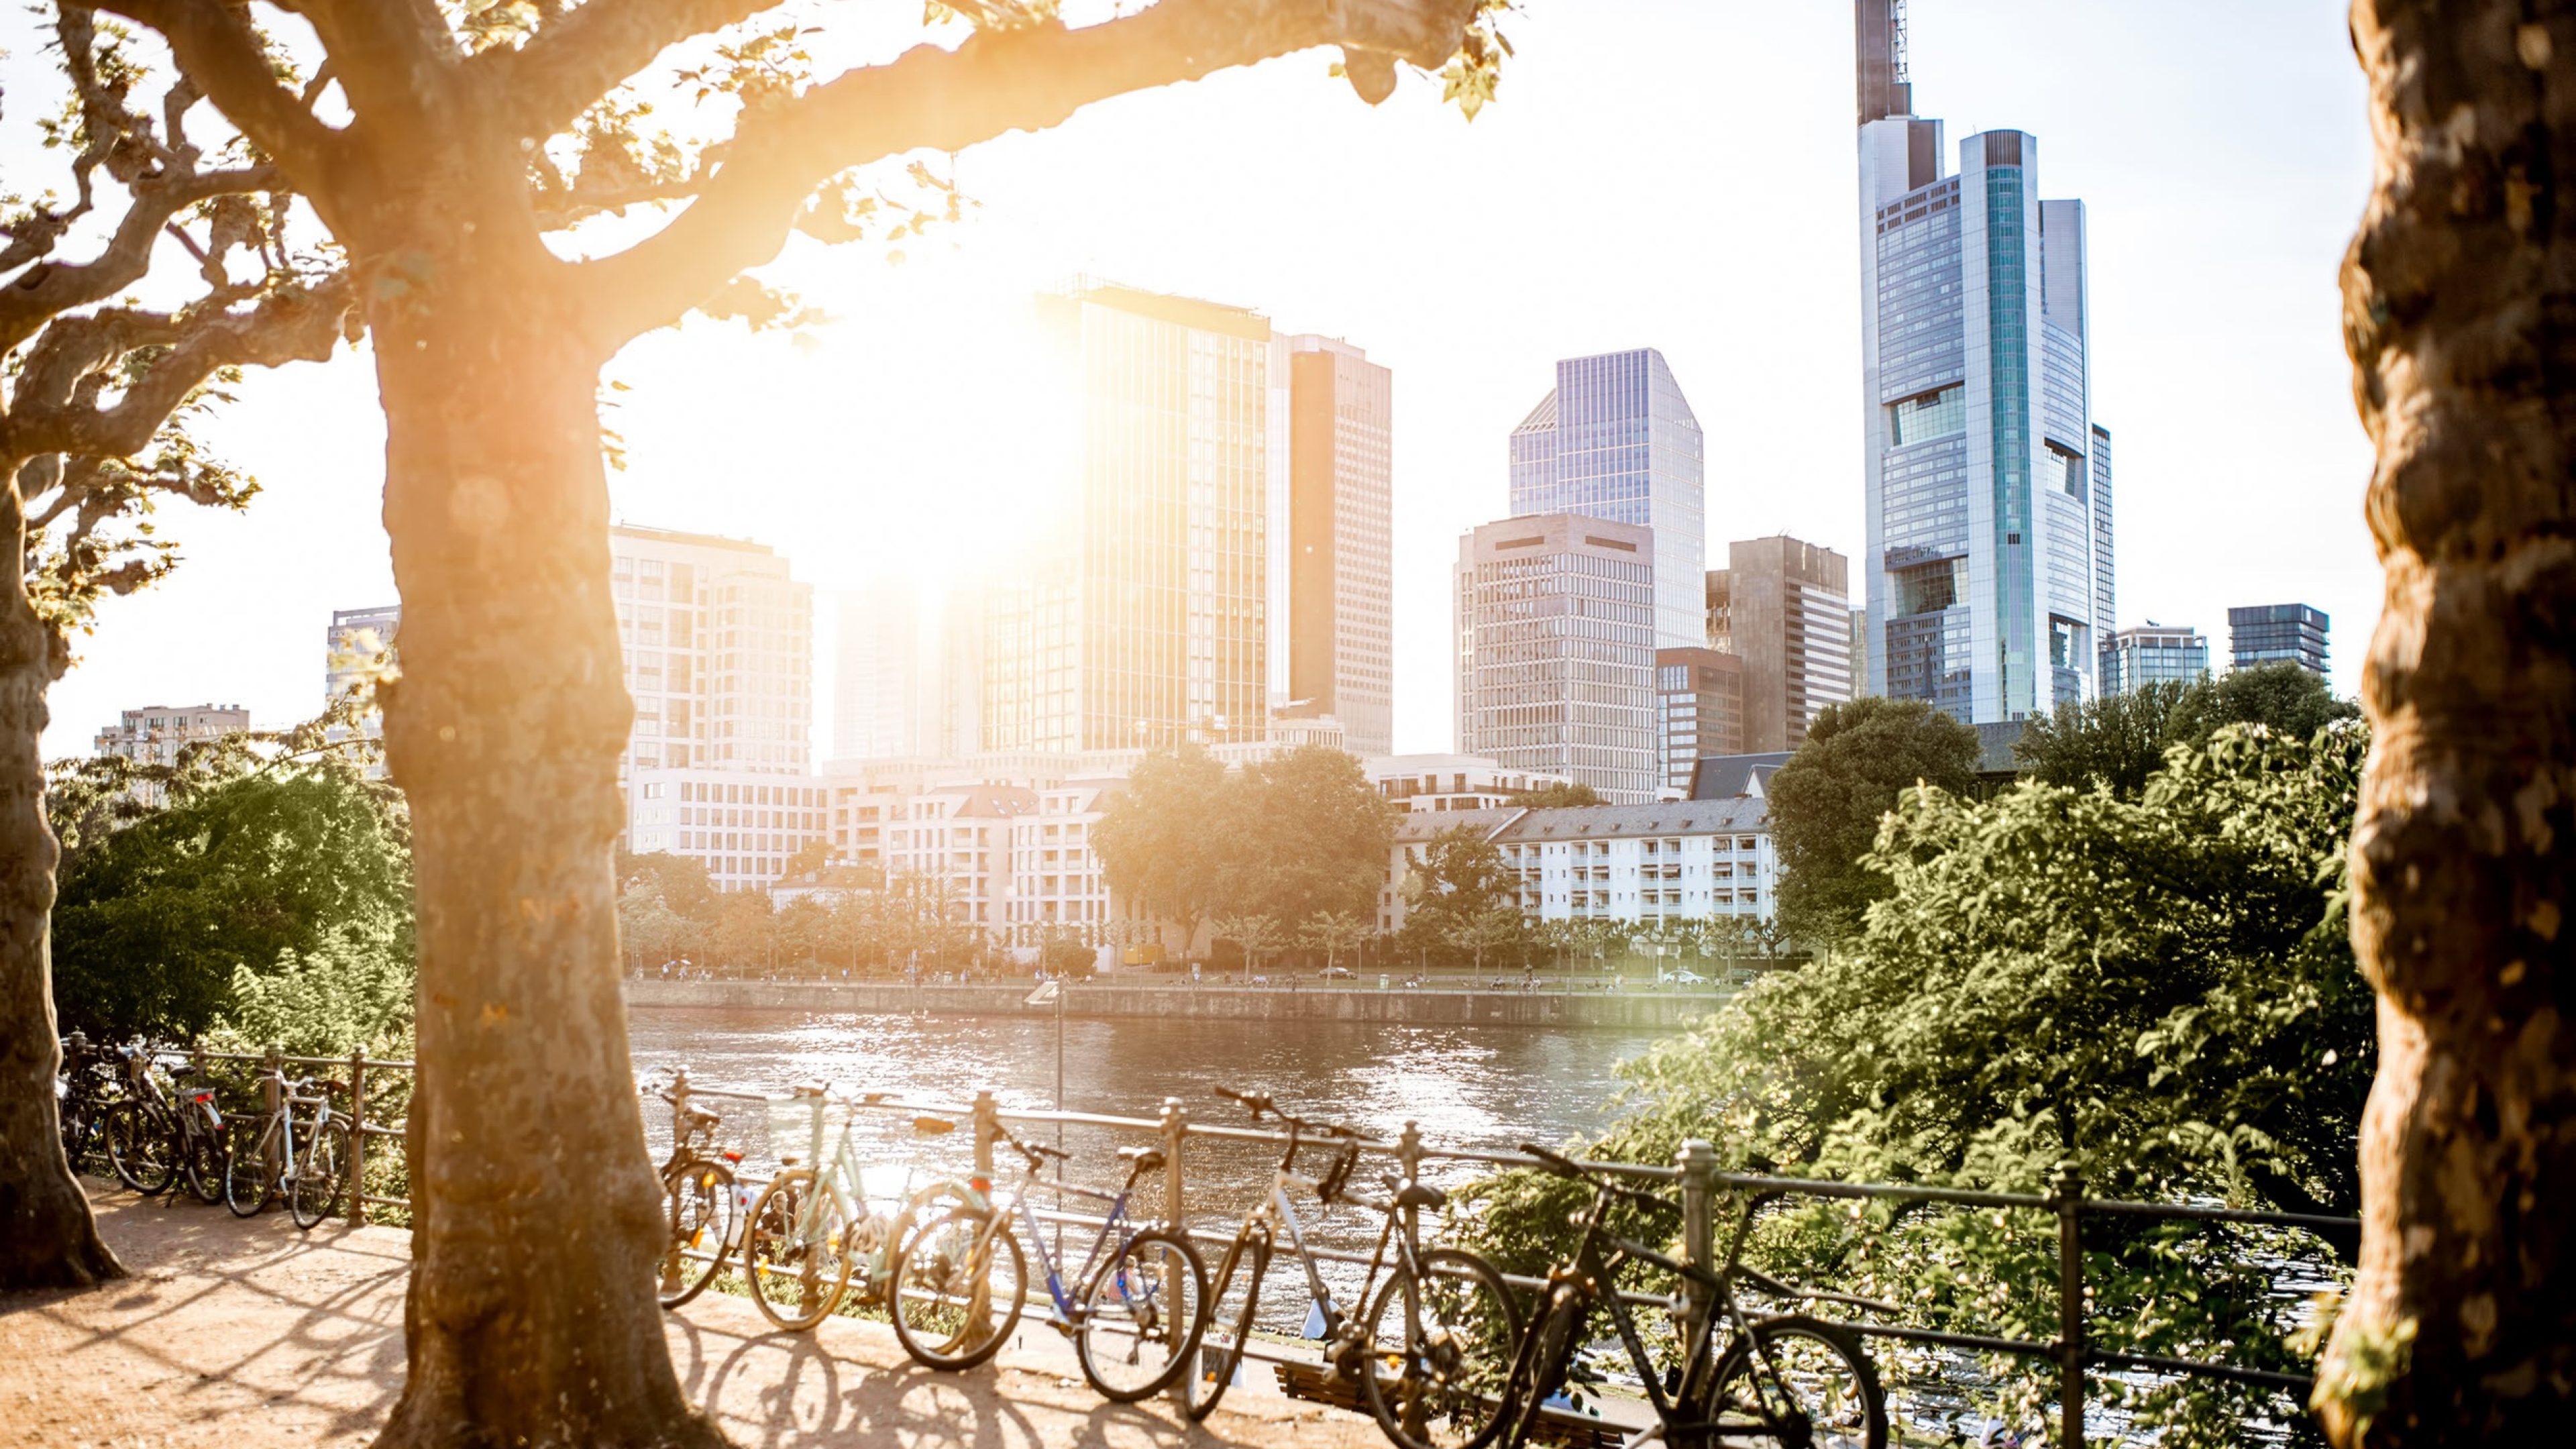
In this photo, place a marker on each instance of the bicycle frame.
(280, 1128)
(841, 1174)
(1069, 1313)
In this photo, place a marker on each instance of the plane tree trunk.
(2460, 314)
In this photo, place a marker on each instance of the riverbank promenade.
(1166, 997)
(233, 1332)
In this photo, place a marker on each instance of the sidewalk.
(235, 1332)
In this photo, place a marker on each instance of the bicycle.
(82, 1093)
(272, 1154)
(805, 1226)
(152, 1140)
(1447, 1313)
(1134, 1322)
(699, 1200)
(1787, 1380)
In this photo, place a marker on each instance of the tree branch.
(50, 289)
(544, 85)
(998, 81)
(221, 55)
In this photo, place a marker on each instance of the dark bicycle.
(1786, 1380)
(701, 1207)
(84, 1092)
(152, 1139)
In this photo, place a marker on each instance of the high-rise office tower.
(358, 645)
(2277, 634)
(882, 695)
(1700, 699)
(1338, 629)
(1987, 565)
(1556, 651)
(1617, 440)
(957, 712)
(719, 649)
(1788, 616)
(2154, 654)
(1143, 622)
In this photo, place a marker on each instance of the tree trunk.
(47, 1237)
(2460, 314)
(531, 1318)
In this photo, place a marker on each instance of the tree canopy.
(1828, 799)
(2117, 741)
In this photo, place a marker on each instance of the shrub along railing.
(1694, 1175)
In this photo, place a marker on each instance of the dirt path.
(235, 1333)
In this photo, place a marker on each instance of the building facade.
(1432, 784)
(718, 643)
(356, 650)
(1145, 623)
(1699, 695)
(156, 733)
(1786, 608)
(885, 700)
(2154, 654)
(1662, 861)
(1987, 562)
(2277, 634)
(1616, 440)
(744, 826)
(1556, 650)
(1338, 626)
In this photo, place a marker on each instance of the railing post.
(679, 1106)
(988, 1128)
(271, 1101)
(1698, 1162)
(357, 1137)
(2067, 1196)
(1176, 1130)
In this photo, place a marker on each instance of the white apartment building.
(154, 734)
(358, 644)
(718, 644)
(959, 843)
(1450, 782)
(1669, 860)
(743, 826)
(1055, 881)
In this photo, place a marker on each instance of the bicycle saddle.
(1422, 1195)
(1142, 1160)
(182, 1071)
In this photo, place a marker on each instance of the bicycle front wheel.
(321, 1172)
(796, 1251)
(697, 1221)
(1812, 1380)
(958, 1289)
(138, 1148)
(1538, 1370)
(246, 1180)
(1142, 1315)
(1230, 1306)
(1439, 1383)
(204, 1158)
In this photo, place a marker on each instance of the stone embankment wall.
(1631, 1009)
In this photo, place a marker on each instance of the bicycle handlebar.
(1560, 1165)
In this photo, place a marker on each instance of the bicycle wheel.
(321, 1173)
(697, 1219)
(1538, 1370)
(138, 1147)
(1229, 1323)
(959, 1285)
(1142, 1316)
(247, 1183)
(796, 1251)
(1825, 1383)
(203, 1154)
(1441, 1386)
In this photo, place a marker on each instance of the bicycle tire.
(698, 1206)
(248, 1184)
(204, 1158)
(954, 1277)
(1444, 1357)
(138, 1148)
(1123, 1322)
(1827, 1370)
(1208, 1380)
(768, 1252)
(321, 1175)
(1539, 1368)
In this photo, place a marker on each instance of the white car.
(1688, 978)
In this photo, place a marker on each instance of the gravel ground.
(240, 1332)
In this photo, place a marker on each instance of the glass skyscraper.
(2154, 654)
(1616, 440)
(2277, 634)
(1988, 581)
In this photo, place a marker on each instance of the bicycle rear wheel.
(1538, 1370)
(1441, 1386)
(204, 1157)
(138, 1147)
(1143, 1313)
(247, 1184)
(1826, 1392)
(697, 1219)
(958, 1289)
(1229, 1324)
(797, 1251)
(321, 1172)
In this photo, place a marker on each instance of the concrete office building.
(2154, 654)
(1615, 439)
(2277, 634)
(1988, 561)
(1786, 609)
(156, 733)
(884, 699)
(1699, 697)
(744, 826)
(1556, 650)
(718, 643)
(358, 644)
(1333, 584)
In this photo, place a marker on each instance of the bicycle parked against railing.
(1432, 1352)
(959, 1286)
(152, 1139)
(83, 1093)
(811, 1231)
(272, 1154)
(1786, 1380)
(700, 1209)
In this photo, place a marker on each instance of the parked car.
(1687, 978)
(1337, 973)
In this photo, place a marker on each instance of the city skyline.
(311, 542)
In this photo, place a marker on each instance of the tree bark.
(48, 1238)
(2460, 315)
(532, 1318)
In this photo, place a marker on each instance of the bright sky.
(1668, 173)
